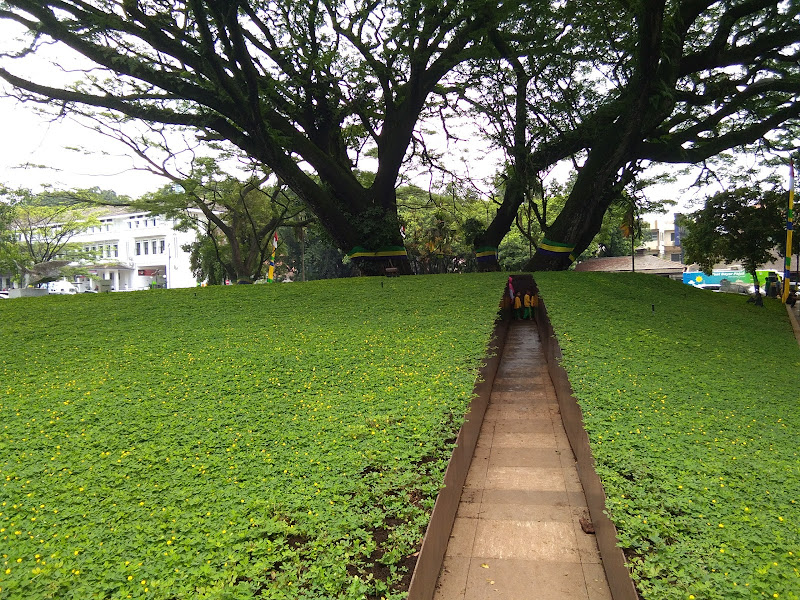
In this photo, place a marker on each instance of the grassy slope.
(690, 400)
(282, 441)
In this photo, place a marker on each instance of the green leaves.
(689, 401)
(744, 225)
(242, 441)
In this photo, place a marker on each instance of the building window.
(162, 246)
(138, 248)
(154, 243)
(129, 225)
(116, 250)
(146, 247)
(675, 257)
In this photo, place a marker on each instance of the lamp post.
(787, 265)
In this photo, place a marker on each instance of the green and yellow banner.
(361, 253)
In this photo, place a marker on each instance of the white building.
(134, 251)
(664, 238)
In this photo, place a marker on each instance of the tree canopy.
(36, 232)
(311, 89)
(292, 84)
(619, 86)
(744, 225)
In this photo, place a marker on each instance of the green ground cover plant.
(690, 400)
(283, 441)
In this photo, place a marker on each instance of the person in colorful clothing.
(526, 302)
(534, 304)
(518, 305)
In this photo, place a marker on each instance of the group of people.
(525, 305)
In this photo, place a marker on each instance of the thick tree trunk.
(385, 266)
(371, 237)
(487, 260)
(486, 245)
(582, 216)
(612, 147)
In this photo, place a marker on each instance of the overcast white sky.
(34, 153)
(28, 139)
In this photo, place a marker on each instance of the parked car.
(3, 295)
(61, 287)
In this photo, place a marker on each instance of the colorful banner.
(361, 253)
(718, 276)
(551, 247)
(271, 273)
(787, 261)
(486, 254)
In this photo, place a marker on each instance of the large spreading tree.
(621, 85)
(303, 87)
(308, 88)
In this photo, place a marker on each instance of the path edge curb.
(794, 322)
(618, 575)
(437, 534)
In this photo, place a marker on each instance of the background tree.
(311, 254)
(8, 240)
(744, 225)
(440, 226)
(40, 229)
(236, 218)
(205, 261)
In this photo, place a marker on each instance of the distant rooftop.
(642, 264)
(116, 211)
